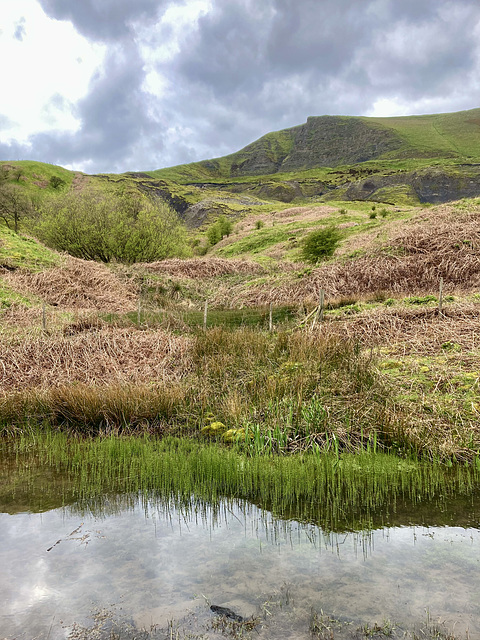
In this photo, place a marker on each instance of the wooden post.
(205, 315)
(319, 313)
(270, 319)
(440, 298)
(44, 318)
(139, 310)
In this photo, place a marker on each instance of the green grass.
(35, 176)
(442, 135)
(8, 297)
(23, 252)
(337, 492)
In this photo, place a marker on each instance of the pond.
(137, 565)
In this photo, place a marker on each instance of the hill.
(112, 346)
(401, 161)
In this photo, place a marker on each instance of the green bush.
(126, 226)
(219, 229)
(56, 182)
(321, 244)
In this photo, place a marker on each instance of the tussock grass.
(441, 242)
(91, 355)
(77, 284)
(202, 267)
(289, 391)
(267, 393)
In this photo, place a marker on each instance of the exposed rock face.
(432, 184)
(323, 141)
(329, 141)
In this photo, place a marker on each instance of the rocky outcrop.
(323, 141)
(431, 185)
(330, 141)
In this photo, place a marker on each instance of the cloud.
(104, 20)
(184, 80)
(116, 129)
(273, 67)
(20, 31)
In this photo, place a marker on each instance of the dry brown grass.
(201, 267)
(77, 284)
(439, 243)
(93, 356)
(412, 330)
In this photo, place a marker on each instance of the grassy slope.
(431, 362)
(442, 135)
(439, 136)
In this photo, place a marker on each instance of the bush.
(219, 229)
(321, 244)
(56, 182)
(105, 225)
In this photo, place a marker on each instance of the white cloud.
(50, 60)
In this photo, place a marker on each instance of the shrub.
(105, 225)
(321, 244)
(56, 182)
(219, 229)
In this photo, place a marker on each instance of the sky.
(137, 85)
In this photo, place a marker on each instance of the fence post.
(319, 313)
(440, 298)
(139, 310)
(44, 318)
(270, 319)
(205, 315)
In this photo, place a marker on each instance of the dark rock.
(227, 613)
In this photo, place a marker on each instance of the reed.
(336, 491)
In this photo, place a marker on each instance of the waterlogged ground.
(142, 564)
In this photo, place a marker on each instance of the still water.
(147, 565)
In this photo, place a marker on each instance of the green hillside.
(333, 141)
(401, 161)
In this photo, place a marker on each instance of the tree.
(15, 206)
(321, 244)
(56, 182)
(104, 225)
(219, 229)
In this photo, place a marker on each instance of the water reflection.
(155, 563)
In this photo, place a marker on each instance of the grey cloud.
(104, 20)
(252, 67)
(304, 57)
(116, 133)
(20, 31)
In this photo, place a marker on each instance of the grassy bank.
(282, 392)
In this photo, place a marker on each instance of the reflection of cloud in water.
(158, 562)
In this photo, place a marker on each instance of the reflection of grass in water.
(339, 492)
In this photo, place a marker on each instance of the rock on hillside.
(323, 141)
